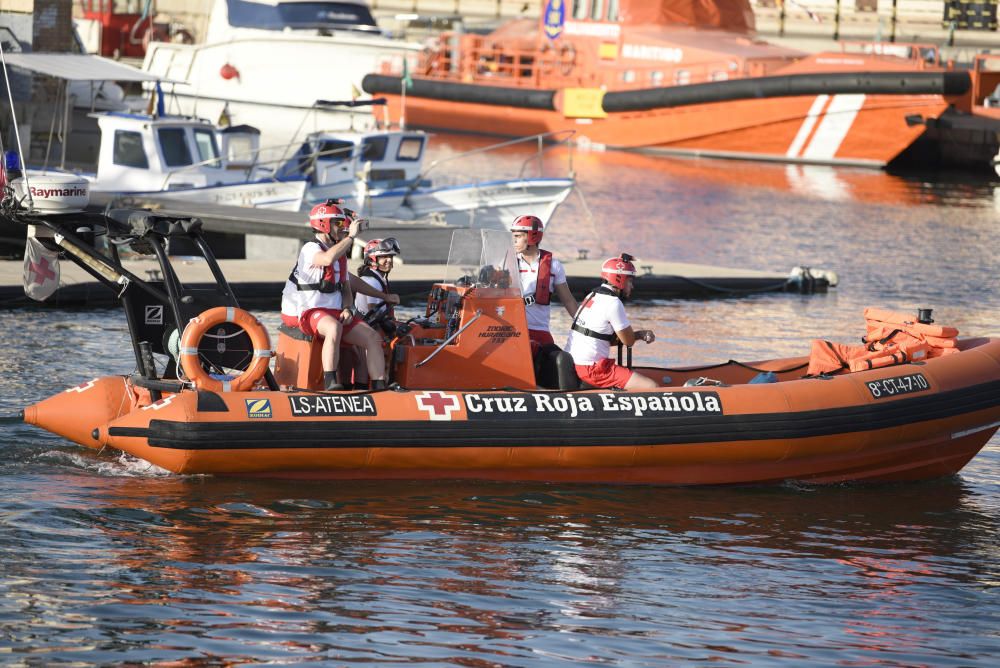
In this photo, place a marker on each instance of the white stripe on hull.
(825, 126)
(807, 126)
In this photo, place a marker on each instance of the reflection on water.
(167, 569)
(106, 560)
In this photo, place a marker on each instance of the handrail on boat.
(563, 138)
(921, 52)
(249, 169)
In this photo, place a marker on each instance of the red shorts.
(541, 337)
(310, 319)
(604, 373)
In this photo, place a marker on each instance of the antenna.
(17, 130)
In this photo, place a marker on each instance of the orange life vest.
(883, 326)
(543, 292)
(890, 338)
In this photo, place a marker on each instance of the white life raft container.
(53, 192)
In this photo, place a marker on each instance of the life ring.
(197, 328)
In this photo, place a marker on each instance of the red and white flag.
(41, 269)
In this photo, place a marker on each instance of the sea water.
(107, 560)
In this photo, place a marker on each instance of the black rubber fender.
(374, 84)
(792, 85)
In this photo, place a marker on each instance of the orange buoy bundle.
(890, 338)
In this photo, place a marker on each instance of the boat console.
(473, 333)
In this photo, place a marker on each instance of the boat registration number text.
(893, 387)
(311, 405)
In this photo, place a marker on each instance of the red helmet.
(617, 270)
(377, 248)
(531, 225)
(327, 215)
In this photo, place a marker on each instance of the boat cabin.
(235, 19)
(473, 333)
(152, 153)
(613, 45)
(387, 159)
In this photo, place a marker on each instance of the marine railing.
(544, 142)
(512, 63)
(253, 167)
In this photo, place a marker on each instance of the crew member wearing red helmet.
(378, 262)
(318, 287)
(599, 321)
(541, 275)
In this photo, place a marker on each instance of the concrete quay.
(808, 25)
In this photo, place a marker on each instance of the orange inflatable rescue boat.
(467, 402)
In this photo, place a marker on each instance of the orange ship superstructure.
(691, 78)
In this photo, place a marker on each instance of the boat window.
(208, 150)
(595, 9)
(410, 148)
(580, 9)
(334, 150)
(239, 149)
(682, 77)
(125, 6)
(373, 149)
(174, 146)
(612, 10)
(128, 150)
(656, 77)
(278, 16)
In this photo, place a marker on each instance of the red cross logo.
(41, 271)
(439, 405)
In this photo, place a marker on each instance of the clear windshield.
(174, 146)
(269, 15)
(484, 258)
(208, 150)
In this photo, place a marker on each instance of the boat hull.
(860, 130)
(902, 422)
(488, 204)
(280, 76)
(275, 195)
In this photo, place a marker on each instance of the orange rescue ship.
(690, 78)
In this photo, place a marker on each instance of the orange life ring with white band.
(196, 329)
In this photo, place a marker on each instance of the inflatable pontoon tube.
(462, 92)
(835, 83)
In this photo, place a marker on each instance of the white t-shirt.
(538, 314)
(603, 314)
(295, 302)
(364, 303)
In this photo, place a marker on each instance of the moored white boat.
(381, 173)
(266, 62)
(178, 157)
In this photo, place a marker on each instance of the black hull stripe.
(554, 431)
(751, 88)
